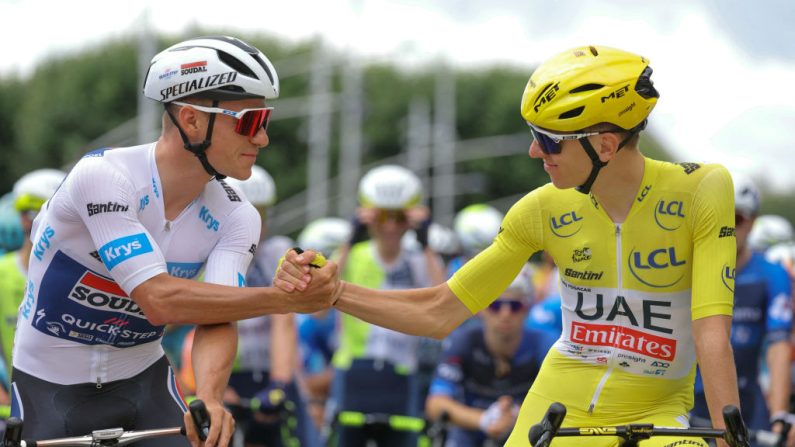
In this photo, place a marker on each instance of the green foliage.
(55, 115)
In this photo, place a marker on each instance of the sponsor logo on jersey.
(107, 332)
(651, 311)
(193, 67)
(616, 94)
(252, 249)
(55, 328)
(208, 219)
(143, 203)
(27, 304)
(643, 193)
(185, 270)
(669, 215)
(103, 294)
(624, 364)
(95, 254)
(119, 250)
(95, 153)
(110, 207)
(585, 275)
(566, 225)
(183, 88)
(168, 73)
(241, 280)
(581, 254)
(727, 276)
(154, 188)
(231, 194)
(689, 167)
(631, 357)
(546, 96)
(43, 243)
(648, 267)
(659, 364)
(727, 232)
(624, 338)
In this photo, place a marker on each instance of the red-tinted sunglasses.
(249, 121)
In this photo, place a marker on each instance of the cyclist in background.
(655, 295)
(487, 368)
(375, 368)
(476, 227)
(11, 232)
(29, 194)
(769, 230)
(117, 249)
(265, 366)
(317, 332)
(762, 322)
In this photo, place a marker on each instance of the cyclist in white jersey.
(115, 247)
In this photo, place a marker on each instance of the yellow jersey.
(629, 291)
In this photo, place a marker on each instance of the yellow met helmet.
(590, 85)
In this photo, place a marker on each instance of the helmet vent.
(593, 50)
(586, 88)
(645, 86)
(233, 62)
(573, 113)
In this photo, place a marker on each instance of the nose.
(535, 150)
(260, 139)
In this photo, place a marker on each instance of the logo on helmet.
(616, 94)
(546, 96)
(193, 67)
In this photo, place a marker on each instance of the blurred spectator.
(486, 369)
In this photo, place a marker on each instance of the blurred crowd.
(331, 378)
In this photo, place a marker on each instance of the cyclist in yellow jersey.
(646, 252)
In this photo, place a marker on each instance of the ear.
(192, 121)
(607, 146)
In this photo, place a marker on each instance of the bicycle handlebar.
(110, 436)
(541, 434)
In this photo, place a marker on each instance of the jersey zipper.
(611, 365)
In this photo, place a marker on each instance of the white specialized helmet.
(35, 187)
(222, 68)
(325, 234)
(746, 195)
(390, 187)
(769, 230)
(477, 226)
(259, 189)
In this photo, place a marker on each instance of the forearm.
(214, 350)
(284, 346)
(716, 361)
(168, 300)
(460, 414)
(429, 312)
(778, 365)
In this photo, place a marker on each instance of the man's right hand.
(309, 289)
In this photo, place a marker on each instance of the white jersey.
(102, 234)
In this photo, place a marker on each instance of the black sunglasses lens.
(548, 145)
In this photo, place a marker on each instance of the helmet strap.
(598, 164)
(199, 149)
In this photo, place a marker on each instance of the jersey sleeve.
(104, 199)
(483, 278)
(779, 304)
(229, 259)
(714, 245)
(449, 375)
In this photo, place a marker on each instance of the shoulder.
(226, 201)
(689, 174)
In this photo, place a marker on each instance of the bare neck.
(182, 176)
(618, 183)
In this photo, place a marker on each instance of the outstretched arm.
(429, 312)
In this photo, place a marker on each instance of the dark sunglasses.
(515, 306)
(550, 142)
(249, 121)
(395, 215)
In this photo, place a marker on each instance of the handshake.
(311, 282)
